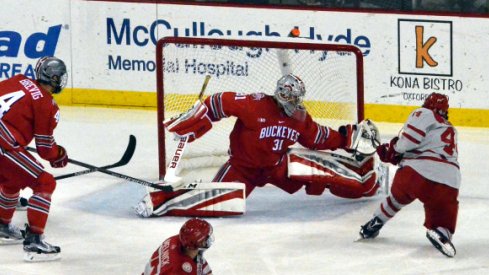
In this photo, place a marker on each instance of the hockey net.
(332, 73)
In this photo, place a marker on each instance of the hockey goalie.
(260, 153)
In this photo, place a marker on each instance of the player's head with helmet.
(438, 103)
(290, 93)
(52, 71)
(196, 234)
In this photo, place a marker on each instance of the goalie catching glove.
(362, 138)
(194, 123)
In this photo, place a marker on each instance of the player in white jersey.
(426, 151)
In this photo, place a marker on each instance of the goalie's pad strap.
(214, 199)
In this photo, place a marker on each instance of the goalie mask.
(52, 71)
(438, 103)
(289, 94)
(196, 234)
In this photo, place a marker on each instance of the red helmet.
(438, 103)
(196, 233)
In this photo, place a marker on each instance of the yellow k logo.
(422, 49)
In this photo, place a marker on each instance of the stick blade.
(127, 156)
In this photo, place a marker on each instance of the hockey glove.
(387, 153)
(62, 158)
(194, 123)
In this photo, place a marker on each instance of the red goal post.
(332, 73)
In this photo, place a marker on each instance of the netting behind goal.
(333, 77)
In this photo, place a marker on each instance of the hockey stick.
(121, 176)
(131, 146)
(204, 86)
(165, 188)
(171, 170)
(115, 174)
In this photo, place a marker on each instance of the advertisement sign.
(110, 46)
(30, 32)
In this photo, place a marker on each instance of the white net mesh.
(330, 78)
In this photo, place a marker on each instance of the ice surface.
(93, 221)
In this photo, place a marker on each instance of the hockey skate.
(37, 250)
(10, 234)
(371, 229)
(441, 242)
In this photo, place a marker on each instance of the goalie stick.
(171, 171)
(126, 157)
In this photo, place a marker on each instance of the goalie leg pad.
(154, 197)
(344, 176)
(233, 173)
(214, 199)
(354, 190)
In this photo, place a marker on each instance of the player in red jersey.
(266, 127)
(182, 254)
(426, 151)
(28, 111)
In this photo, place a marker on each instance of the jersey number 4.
(6, 101)
(448, 137)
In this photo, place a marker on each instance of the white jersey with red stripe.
(428, 143)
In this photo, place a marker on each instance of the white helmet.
(290, 94)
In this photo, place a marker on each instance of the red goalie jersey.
(27, 112)
(263, 132)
